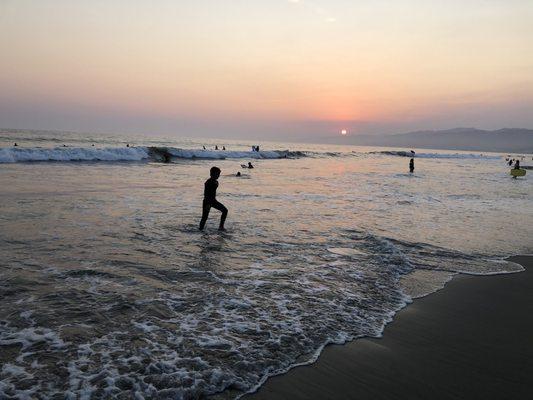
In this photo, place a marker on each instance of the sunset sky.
(250, 68)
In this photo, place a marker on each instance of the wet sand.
(471, 340)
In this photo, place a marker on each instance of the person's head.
(249, 163)
(239, 173)
(214, 172)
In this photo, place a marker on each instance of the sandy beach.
(471, 340)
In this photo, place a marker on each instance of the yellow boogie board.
(518, 172)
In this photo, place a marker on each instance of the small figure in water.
(203, 147)
(510, 162)
(256, 148)
(517, 165)
(15, 145)
(239, 173)
(223, 147)
(412, 165)
(250, 165)
(216, 147)
(210, 193)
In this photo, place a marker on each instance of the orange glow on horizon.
(398, 66)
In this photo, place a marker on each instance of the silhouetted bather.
(412, 165)
(239, 173)
(223, 147)
(517, 164)
(203, 147)
(15, 145)
(250, 165)
(510, 162)
(210, 193)
(216, 147)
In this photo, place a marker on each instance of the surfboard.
(518, 172)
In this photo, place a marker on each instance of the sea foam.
(64, 154)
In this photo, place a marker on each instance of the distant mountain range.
(512, 140)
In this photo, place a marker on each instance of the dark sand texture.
(471, 340)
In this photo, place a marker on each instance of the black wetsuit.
(210, 193)
(411, 165)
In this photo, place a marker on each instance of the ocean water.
(109, 290)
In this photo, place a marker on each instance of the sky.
(265, 68)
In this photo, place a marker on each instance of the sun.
(344, 132)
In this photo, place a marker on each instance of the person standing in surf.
(412, 165)
(210, 193)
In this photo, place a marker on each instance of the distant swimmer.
(216, 147)
(223, 147)
(250, 165)
(256, 148)
(510, 162)
(412, 165)
(517, 164)
(15, 145)
(127, 145)
(239, 173)
(210, 193)
(203, 147)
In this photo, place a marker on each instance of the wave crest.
(21, 154)
(402, 153)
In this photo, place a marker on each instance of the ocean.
(109, 289)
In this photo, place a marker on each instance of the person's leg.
(205, 213)
(224, 210)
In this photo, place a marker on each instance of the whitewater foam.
(402, 153)
(19, 154)
(36, 154)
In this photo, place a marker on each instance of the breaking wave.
(167, 154)
(13, 155)
(19, 154)
(402, 153)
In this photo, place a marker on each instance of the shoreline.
(470, 339)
